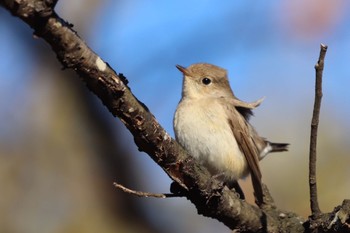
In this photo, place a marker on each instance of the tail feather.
(273, 147)
(278, 147)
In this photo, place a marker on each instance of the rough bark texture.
(210, 197)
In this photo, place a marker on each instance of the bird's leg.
(230, 184)
(234, 185)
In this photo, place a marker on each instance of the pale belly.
(205, 133)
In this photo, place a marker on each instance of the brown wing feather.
(245, 141)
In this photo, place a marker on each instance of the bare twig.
(315, 209)
(144, 194)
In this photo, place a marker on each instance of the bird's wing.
(241, 104)
(247, 144)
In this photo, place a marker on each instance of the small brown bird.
(212, 125)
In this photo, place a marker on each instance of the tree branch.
(315, 209)
(144, 194)
(211, 197)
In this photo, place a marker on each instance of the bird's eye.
(206, 81)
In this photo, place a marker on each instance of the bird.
(212, 125)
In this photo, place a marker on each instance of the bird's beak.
(182, 69)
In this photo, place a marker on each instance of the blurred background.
(61, 150)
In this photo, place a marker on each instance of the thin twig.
(315, 209)
(144, 194)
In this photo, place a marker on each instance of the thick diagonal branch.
(211, 200)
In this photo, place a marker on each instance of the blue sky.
(264, 50)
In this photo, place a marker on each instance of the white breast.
(201, 127)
